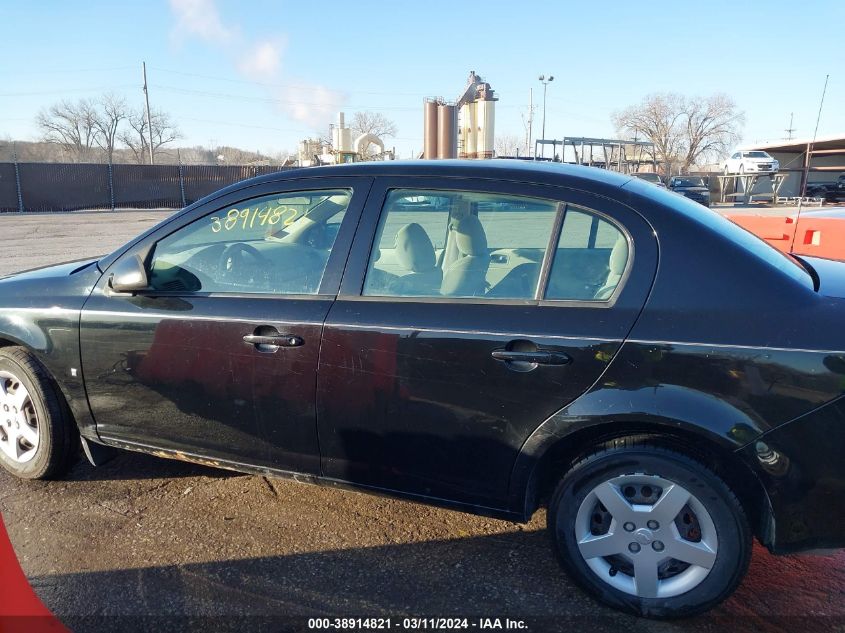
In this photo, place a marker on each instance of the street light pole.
(545, 83)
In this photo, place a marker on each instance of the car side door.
(217, 357)
(470, 311)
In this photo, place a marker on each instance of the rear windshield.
(689, 182)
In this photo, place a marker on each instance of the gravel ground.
(143, 537)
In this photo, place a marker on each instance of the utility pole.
(149, 119)
(530, 119)
(790, 129)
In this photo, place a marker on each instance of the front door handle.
(270, 342)
(537, 357)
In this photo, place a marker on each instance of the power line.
(75, 70)
(66, 90)
(238, 97)
(265, 84)
(246, 125)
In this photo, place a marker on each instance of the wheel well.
(725, 463)
(59, 391)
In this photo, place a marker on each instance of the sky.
(262, 75)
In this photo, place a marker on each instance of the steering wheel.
(233, 261)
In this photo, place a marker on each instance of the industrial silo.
(486, 128)
(447, 139)
(430, 129)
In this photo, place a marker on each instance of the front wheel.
(38, 438)
(650, 531)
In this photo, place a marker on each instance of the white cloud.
(199, 18)
(312, 104)
(262, 61)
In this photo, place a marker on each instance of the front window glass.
(459, 244)
(277, 244)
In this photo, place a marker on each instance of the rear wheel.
(648, 530)
(38, 438)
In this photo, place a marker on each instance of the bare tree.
(71, 125)
(508, 144)
(136, 138)
(373, 123)
(683, 129)
(109, 115)
(712, 128)
(655, 119)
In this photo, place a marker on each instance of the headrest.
(618, 256)
(414, 249)
(470, 237)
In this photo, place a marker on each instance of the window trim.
(548, 255)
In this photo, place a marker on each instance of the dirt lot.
(147, 537)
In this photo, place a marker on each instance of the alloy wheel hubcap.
(18, 420)
(646, 536)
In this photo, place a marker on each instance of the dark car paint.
(222, 398)
(698, 193)
(830, 191)
(413, 372)
(40, 309)
(724, 357)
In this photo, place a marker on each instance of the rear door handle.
(272, 342)
(539, 357)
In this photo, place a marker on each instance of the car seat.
(466, 274)
(616, 264)
(415, 254)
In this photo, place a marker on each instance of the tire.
(712, 515)
(742, 169)
(38, 437)
(727, 171)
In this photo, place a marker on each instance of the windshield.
(649, 177)
(689, 182)
(755, 155)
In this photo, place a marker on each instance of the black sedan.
(693, 187)
(489, 336)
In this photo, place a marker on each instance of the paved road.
(143, 536)
(36, 239)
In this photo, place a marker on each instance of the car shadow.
(506, 576)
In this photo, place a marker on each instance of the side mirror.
(129, 275)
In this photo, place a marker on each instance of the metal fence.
(72, 186)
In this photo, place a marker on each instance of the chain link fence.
(33, 187)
